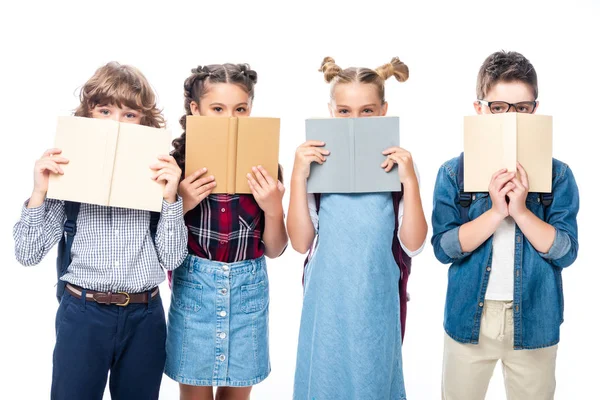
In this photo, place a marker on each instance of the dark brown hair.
(196, 86)
(116, 84)
(334, 74)
(504, 66)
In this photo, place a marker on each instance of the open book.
(229, 147)
(109, 163)
(356, 146)
(496, 141)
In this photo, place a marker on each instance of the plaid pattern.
(226, 228)
(112, 249)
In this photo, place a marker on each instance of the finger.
(325, 152)
(206, 188)
(523, 175)
(280, 187)
(318, 160)
(160, 165)
(390, 150)
(260, 178)
(202, 182)
(313, 143)
(165, 177)
(252, 187)
(498, 173)
(254, 183)
(316, 154)
(502, 179)
(507, 189)
(51, 152)
(50, 166)
(268, 178)
(167, 158)
(518, 184)
(162, 171)
(197, 174)
(58, 160)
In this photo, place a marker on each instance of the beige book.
(109, 163)
(229, 147)
(496, 141)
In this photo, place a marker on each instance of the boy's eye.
(104, 111)
(497, 109)
(130, 115)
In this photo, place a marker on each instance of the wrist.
(170, 199)
(410, 182)
(496, 216)
(37, 199)
(520, 214)
(274, 214)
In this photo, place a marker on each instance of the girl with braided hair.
(350, 338)
(218, 320)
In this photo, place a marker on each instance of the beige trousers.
(468, 368)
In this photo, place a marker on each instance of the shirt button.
(116, 232)
(489, 269)
(222, 335)
(222, 357)
(223, 291)
(518, 239)
(480, 304)
(518, 272)
(223, 313)
(222, 242)
(116, 263)
(225, 267)
(223, 209)
(474, 197)
(517, 308)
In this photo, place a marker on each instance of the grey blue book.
(356, 146)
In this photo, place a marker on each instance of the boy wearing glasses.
(504, 299)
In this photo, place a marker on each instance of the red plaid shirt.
(226, 228)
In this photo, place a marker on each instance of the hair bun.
(248, 72)
(395, 68)
(330, 69)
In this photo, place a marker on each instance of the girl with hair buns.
(350, 334)
(218, 320)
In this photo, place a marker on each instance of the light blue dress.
(350, 341)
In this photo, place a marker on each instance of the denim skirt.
(218, 323)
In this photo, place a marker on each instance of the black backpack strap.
(464, 199)
(546, 199)
(64, 247)
(154, 218)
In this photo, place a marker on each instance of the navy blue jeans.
(93, 339)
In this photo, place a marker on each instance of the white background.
(49, 49)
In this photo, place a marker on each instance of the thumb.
(280, 186)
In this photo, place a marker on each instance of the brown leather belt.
(120, 298)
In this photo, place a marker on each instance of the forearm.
(539, 233)
(414, 226)
(171, 235)
(275, 236)
(300, 226)
(472, 234)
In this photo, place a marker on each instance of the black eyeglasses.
(499, 107)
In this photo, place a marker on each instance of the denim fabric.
(350, 344)
(538, 293)
(217, 330)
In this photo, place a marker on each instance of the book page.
(89, 144)
(258, 144)
(485, 138)
(372, 136)
(138, 147)
(207, 146)
(335, 174)
(534, 150)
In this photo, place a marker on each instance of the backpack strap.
(464, 199)
(546, 198)
(154, 218)
(66, 242)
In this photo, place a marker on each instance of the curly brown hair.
(120, 85)
(335, 74)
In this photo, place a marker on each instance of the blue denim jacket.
(538, 294)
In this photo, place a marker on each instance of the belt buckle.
(126, 301)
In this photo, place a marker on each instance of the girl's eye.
(342, 111)
(241, 110)
(218, 109)
(368, 111)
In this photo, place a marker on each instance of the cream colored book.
(496, 141)
(109, 163)
(230, 147)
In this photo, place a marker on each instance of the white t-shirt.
(314, 216)
(501, 284)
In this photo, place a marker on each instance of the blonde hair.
(335, 75)
(116, 84)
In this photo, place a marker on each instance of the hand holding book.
(196, 188)
(401, 157)
(267, 191)
(307, 153)
(167, 171)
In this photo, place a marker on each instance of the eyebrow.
(365, 105)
